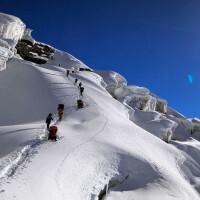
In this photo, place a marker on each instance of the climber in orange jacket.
(60, 114)
(60, 111)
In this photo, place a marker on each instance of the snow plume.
(132, 146)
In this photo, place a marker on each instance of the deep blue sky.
(152, 43)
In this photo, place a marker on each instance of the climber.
(60, 111)
(48, 120)
(79, 103)
(67, 73)
(60, 114)
(79, 85)
(61, 106)
(75, 81)
(53, 133)
(81, 91)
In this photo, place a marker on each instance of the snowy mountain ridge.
(125, 143)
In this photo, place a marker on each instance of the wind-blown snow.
(111, 149)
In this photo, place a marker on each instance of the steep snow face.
(66, 60)
(109, 148)
(32, 90)
(99, 138)
(114, 152)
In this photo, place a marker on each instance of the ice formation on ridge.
(11, 30)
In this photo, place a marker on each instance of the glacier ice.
(140, 98)
(11, 27)
(5, 54)
(27, 35)
(11, 30)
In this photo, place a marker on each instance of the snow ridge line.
(22, 156)
(70, 152)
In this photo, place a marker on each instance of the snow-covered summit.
(125, 143)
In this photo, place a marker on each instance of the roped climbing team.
(61, 106)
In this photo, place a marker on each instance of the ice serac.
(11, 27)
(148, 110)
(113, 80)
(141, 98)
(27, 36)
(11, 30)
(5, 54)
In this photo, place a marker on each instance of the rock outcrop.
(35, 52)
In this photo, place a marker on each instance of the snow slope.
(107, 150)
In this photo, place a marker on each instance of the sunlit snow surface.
(117, 144)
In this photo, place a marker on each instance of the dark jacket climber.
(48, 120)
(81, 90)
(67, 73)
(75, 81)
(79, 85)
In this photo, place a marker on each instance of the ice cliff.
(12, 29)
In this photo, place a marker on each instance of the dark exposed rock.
(37, 52)
(84, 69)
